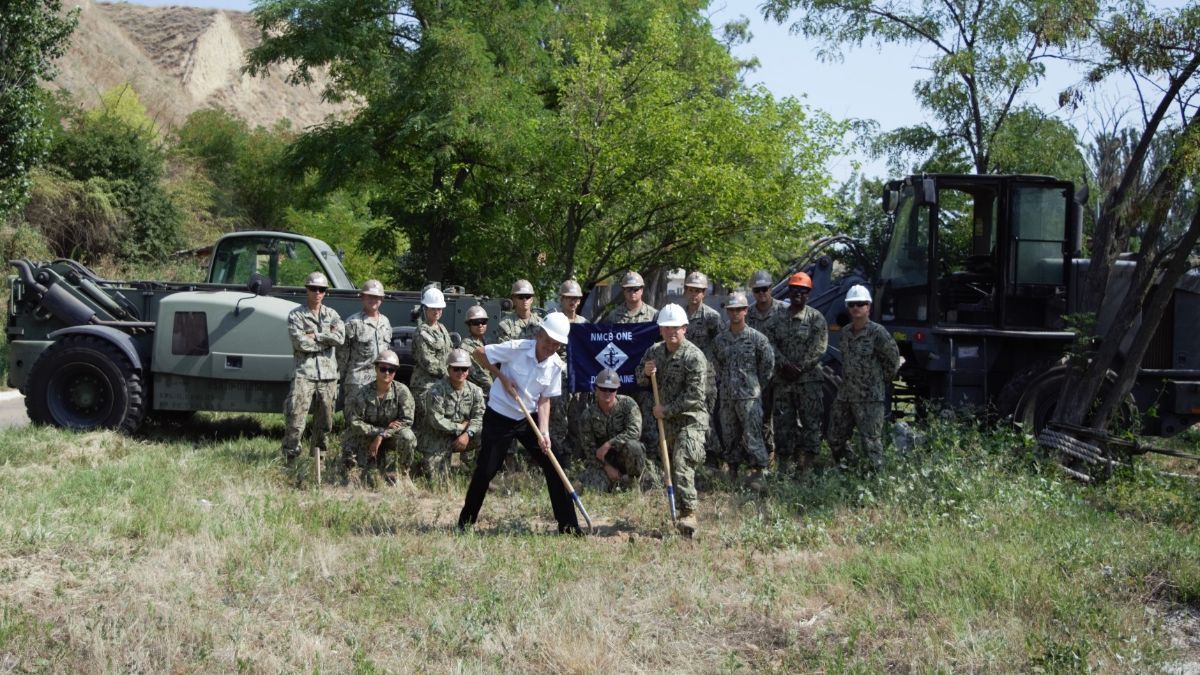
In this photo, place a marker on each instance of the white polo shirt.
(518, 360)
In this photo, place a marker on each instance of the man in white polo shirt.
(532, 370)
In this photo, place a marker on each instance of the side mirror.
(891, 199)
(259, 284)
(926, 192)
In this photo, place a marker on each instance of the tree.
(532, 139)
(1152, 196)
(987, 55)
(32, 34)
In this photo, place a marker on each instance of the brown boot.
(756, 480)
(686, 523)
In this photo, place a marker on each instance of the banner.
(595, 346)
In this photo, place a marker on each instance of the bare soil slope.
(181, 59)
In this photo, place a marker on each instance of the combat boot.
(756, 480)
(686, 523)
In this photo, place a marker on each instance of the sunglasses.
(459, 369)
(606, 390)
(386, 370)
(477, 322)
(523, 296)
(857, 304)
(800, 290)
(632, 289)
(316, 289)
(764, 289)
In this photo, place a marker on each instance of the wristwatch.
(470, 434)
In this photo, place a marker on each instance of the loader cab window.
(905, 269)
(967, 269)
(1037, 250)
(286, 261)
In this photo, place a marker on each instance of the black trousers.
(498, 434)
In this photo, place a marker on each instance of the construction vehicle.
(89, 352)
(977, 281)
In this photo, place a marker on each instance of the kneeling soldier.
(379, 418)
(609, 431)
(453, 417)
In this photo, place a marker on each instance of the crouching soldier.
(379, 417)
(453, 417)
(610, 429)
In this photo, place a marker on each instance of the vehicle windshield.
(907, 261)
(286, 261)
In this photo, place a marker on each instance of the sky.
(868, 83)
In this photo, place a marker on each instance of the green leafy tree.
(987, 54)
(32, 34)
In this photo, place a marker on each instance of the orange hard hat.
(800, 279)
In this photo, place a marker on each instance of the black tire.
(84, 382)
(1030, 398)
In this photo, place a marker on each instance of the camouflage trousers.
(436, 457)
(713, 451)
(687, 452)
(868, 417)
(742, 427)
(645, 401)
(564, 423)
(395, 454)
(799, 407)
(305, 394)
(628, 458)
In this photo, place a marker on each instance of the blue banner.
(595, 346)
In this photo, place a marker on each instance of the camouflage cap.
(317, 280)
(570, 289)
(372, 287)
(737, 299)
(476, 312)
(632, 280)
(696, 280)
(761, 278)
(522, 287)
(608, 379)
(387, 357)
(459, 358)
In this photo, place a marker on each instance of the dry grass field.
(191, 549)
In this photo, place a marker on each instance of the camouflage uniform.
(622, 314)
(703, 326)
(565, 411)
(511, 327)
(801, 341)
(621, 428)
(681, 378)
(479, 376)
(367, 417)
(445, 409)
(870, 360)
(758, 320)
(744, 362)
(314, 377)
(431, 348)
(366, 339)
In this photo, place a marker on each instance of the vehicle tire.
(84, 382)
(1031, 396)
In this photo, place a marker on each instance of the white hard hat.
(317, 280)
(672, 315)
(476, 312)
(858, 293)
(388, 357)
(557, 326)
(459, 358)
(737, 299)
(372, 287)
(433, 299)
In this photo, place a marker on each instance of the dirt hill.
(180, 59)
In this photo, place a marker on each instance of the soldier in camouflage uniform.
(379, 418)
(704, 323)
(799, 336)
(764, 309)
(870, 360)
(565, 409)
(681, 369)
(431, 344)
(368, 334)
(610, 431)
(477, 321)
(632, 310)
(522, 322)
(453, 417)
(315, 331)
(745, 363)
